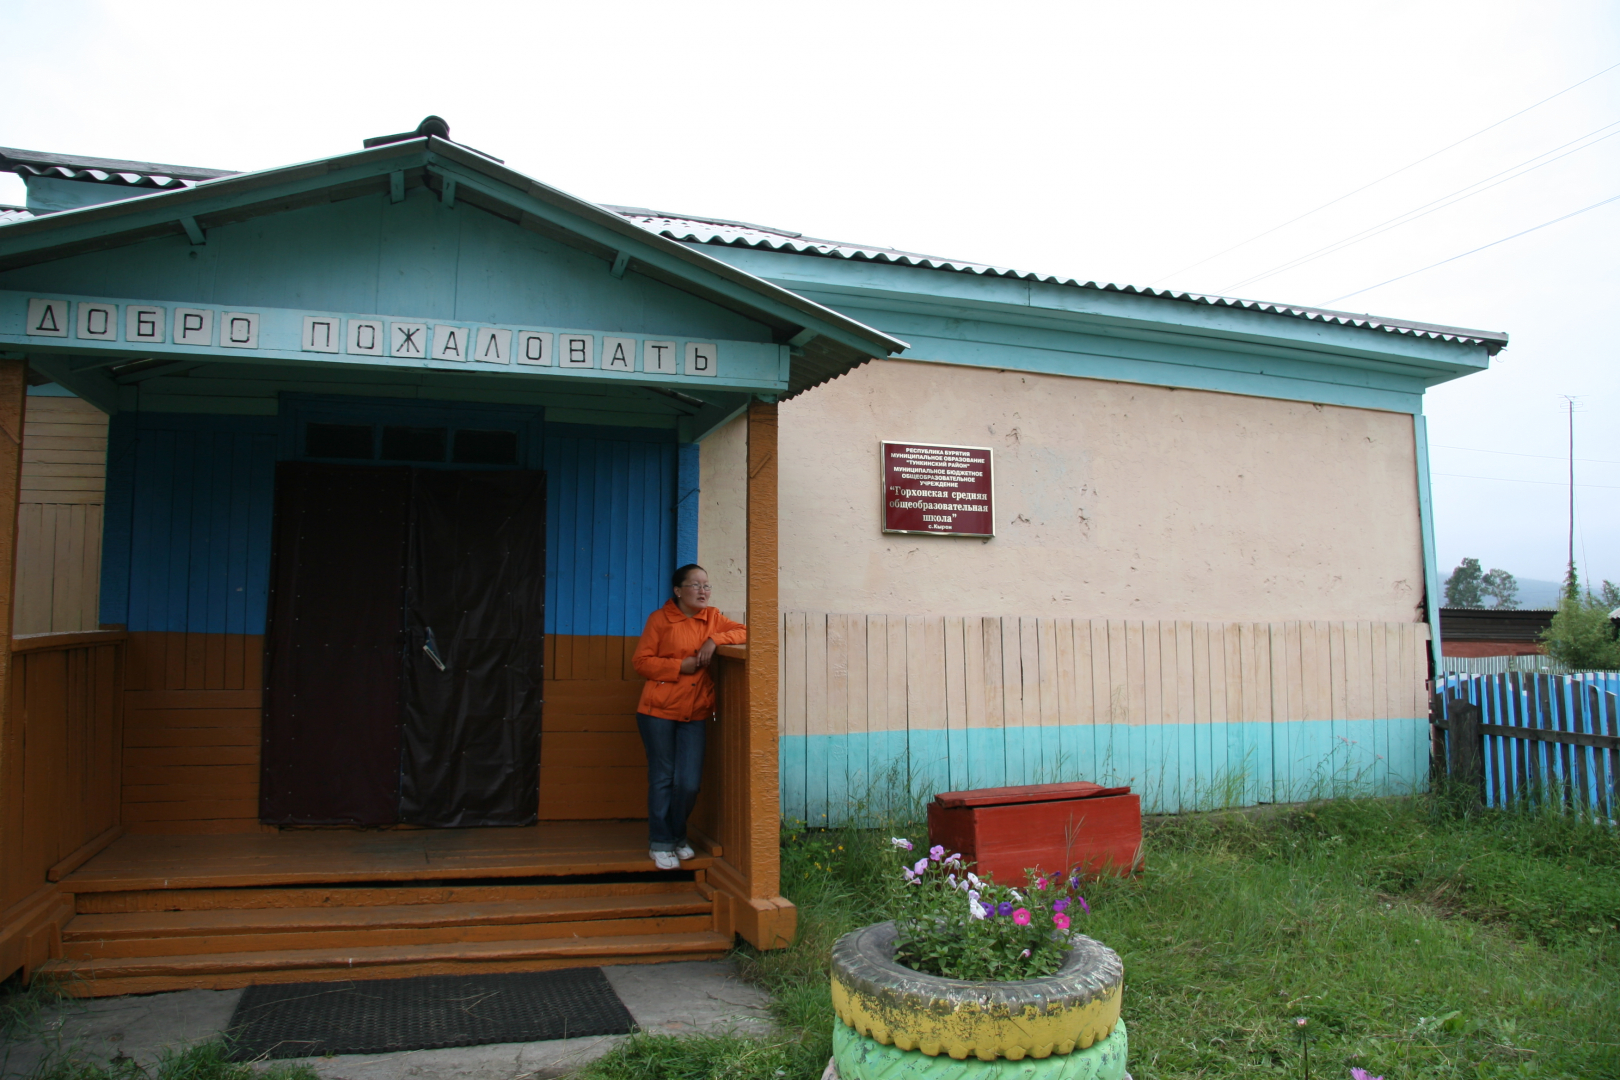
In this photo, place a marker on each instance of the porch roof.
(824, 343)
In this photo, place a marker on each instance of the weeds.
(204, 1061)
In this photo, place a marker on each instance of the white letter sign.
(700, 359)
(659, 357)
(322, 334)
(618, 354)
(48, 318)
(493, 346)
(574, 351)
(449, 343)
(534, 348)
(366, 337)
(98, 322)
(143, 324)
(193, 326)
(239, 330)
(407, 339)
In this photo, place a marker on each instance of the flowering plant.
(953, 923)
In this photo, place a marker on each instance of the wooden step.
(363, 936)
(283, 920)
(96, 903)
(151, 974)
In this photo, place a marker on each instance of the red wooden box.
(1047, 827)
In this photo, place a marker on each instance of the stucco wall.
(723, 515)
(1113, 500)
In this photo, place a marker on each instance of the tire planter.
(892, 1005)
(857, 1057)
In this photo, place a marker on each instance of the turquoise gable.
(368, 255)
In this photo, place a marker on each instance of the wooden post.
(1467, 746)
(769, 921)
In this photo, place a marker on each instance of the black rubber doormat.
(425, 1013)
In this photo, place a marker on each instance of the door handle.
(431, 647)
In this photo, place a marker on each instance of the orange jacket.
(669, 638)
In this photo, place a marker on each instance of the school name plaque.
(941, 490)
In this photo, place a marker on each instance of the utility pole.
(1571, 588)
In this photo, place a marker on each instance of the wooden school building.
(292, 440)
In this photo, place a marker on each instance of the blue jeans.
(674, 772)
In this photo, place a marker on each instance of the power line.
(1387, 176)
(1427, 208)
(1512, 453)
(1511, 480)
(1482, 247)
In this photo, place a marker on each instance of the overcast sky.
(1134, 143)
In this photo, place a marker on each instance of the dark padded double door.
(405, 646)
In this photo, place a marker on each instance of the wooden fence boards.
(1192, 713)
(1543, 736)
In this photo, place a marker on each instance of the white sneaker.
(684, 851)
(665, 860)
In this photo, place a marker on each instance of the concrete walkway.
(674, 999)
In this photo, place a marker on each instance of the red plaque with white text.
(938, 490)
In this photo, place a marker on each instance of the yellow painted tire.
(1036, 1018)
(860, 1058)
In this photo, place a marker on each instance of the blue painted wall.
(190, 499)
(1174, 767)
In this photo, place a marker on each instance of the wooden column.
(763, 916)
(31, 909)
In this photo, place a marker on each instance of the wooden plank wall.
(191, 732)
(59, 516)
(59, 789)
(591, 761)
(1191, 714)
(194, 701)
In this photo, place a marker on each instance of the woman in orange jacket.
(673, 657)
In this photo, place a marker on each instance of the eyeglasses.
(700, 588)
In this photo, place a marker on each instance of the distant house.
(1466, 632)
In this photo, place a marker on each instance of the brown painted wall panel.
(192, 723)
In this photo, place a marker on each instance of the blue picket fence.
(1538, 733)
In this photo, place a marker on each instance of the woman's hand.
(706, 653)
(690, 665)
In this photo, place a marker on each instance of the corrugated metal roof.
(146, 174)
(9, 214)
(706, 230)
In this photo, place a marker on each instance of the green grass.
(1420, 938)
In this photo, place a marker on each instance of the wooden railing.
(739, 810)
(60, 757)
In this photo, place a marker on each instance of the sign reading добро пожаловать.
(943, 490)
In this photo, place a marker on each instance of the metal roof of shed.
(145, 174)
(720, 231)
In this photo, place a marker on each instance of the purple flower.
(1060, 903)
(1363, 1074)
(921, 867)
(900, 842)
(1004, 908)
(937, 852)
(1085, 907)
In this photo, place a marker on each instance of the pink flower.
(922, 865)
(1040, 883)
(1363, 1074)
(937, 852)
(1021, 916)
(1061, 921)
